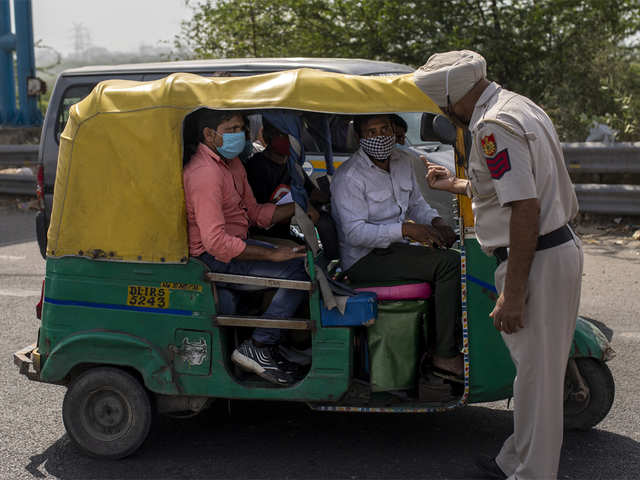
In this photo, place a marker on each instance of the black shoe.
(290, 368)
(489, 467)
(260, 361)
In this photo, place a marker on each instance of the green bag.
(394, 345)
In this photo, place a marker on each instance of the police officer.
(522, 200)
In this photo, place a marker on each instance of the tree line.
(578, 59)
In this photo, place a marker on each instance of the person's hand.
(447, 233)
(313, 214)
(422, 233)
(282, 254)
(508, 315)
(440, 178)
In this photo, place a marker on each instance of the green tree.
(569, 56)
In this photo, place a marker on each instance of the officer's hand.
(447, 233)
(508, 315)
(282, 254)
(438, 177)
(422, 233)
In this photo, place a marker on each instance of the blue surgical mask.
(232, 144)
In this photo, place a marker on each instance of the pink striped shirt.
(220, 205)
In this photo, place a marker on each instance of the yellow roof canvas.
(118, 193)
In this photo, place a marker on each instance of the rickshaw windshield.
(119, 195)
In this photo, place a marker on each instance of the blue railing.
(25, 111)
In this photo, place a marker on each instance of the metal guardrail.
(614, 199)
(18, 155)
(17, 184)
(590, 157)
(580, 157)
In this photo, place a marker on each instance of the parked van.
(75, 84)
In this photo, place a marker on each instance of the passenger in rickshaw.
(400, 128)
(220, 209)
(270, 179)
(376, 200)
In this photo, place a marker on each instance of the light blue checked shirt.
(369, 204)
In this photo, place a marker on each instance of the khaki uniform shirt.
(515, 155)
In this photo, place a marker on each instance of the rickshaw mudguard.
(589, 341)
(101, 347)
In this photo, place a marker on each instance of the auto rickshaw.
(131, 324)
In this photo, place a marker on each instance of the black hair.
(360, 120)
(205, 117)
(195, 122)
(397, 120)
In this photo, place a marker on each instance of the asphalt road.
(276, 440)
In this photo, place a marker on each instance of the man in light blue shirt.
(379, 210)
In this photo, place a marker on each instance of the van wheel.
(582, 412)
(107, 413)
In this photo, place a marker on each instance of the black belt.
(548, 240)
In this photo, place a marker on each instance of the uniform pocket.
(481, 183)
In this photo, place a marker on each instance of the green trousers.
(403, 263)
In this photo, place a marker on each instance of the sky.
(118, 25)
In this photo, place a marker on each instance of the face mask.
(280, 145)
(232, 144)
(378, 148)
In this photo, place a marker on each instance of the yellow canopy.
(118, 192)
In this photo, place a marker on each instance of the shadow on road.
(280, 441)
(16, 226)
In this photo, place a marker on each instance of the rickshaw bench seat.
(409, 291)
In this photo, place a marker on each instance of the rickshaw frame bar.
(251, 321)
(260, 281)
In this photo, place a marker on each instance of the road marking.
(12, 258)
(634, 335)
(19, 293)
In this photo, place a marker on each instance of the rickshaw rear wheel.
(107, 413)
(584, 412)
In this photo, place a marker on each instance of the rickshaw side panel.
(88, 319)
(491, 369)
(97, 347)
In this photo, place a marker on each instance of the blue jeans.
(284, 303)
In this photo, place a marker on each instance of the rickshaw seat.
(409, 291)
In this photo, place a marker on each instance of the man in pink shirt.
(220, 209)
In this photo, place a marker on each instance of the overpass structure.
(21, 109)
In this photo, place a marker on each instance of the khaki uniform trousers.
(540, 352)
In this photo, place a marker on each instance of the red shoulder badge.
(499, 165)
(489, 146)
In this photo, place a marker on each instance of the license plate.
(150, 297)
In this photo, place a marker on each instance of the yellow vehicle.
(129, 321)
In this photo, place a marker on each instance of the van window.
(71, 95)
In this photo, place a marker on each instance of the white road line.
(634, 335)
(19, 293)
(12, 258)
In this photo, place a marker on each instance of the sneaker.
(293, 369)
(260, 361)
